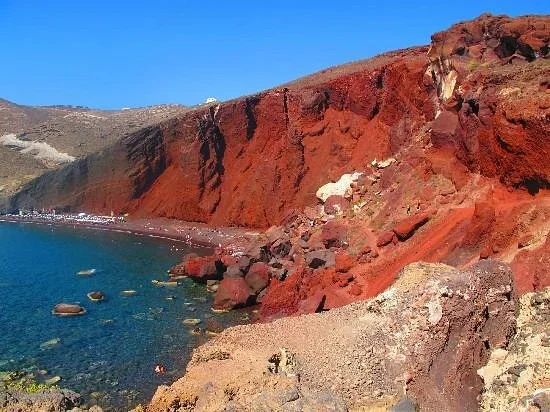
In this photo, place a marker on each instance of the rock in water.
(96, 296)
(86, 272)
(50, 343)
(191, 322)
(67, 309)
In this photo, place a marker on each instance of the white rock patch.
(340, 188)
(39, 150)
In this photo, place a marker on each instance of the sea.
(109, 354)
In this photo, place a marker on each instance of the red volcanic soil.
(466, 119)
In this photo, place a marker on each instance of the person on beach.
(159, 369)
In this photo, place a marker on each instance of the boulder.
(406, 228)
(336, 205)
(258, 253)
(244, 263)
(203, 268)
(96, 296)
(532, 268)
(257, 277)
(344, 262)
(212, 285)
(334, 234)
(275, 233)
(355, 290)
(232, 293)
(281, 247)
(313, 304)
(320, 258)
(53, 399)
(385, 238)
(67, 309)
(213, 326)
(233, 271)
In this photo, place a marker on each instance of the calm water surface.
(107, 355)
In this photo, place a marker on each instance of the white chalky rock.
(340, 188)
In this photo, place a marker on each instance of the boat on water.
(86, 272)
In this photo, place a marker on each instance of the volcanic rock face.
(424, 339)
(249, 161)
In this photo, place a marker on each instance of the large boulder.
(232, 293)
(406, 228)
(334, 234)
(67, 309)
(532, 268)
(385, 238)
(257, 277)
(204, 268)
(320, 258)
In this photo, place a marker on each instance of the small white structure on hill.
(211, 100)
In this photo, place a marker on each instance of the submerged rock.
(191, 321)
(50, 343)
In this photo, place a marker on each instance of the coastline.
(191, 233)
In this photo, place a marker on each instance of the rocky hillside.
(34, 140)
(477, 95)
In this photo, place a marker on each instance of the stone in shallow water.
(161, 283)
(128, 292)
(53, 380)
(49, 343)
(96, 296)
(191, 321)
(67, 309)
(86, 272)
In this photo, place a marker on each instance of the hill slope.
(251, 160)
(34, 140)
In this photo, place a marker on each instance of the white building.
(211, 100)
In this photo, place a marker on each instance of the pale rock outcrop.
(518, 378)
(340, 188)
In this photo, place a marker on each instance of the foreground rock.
(424, 339)
(518, 377)
(53, 400)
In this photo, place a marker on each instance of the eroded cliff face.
(479, 91)
(249, 161)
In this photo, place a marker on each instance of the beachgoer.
(159, 369)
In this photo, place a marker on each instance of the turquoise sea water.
(108, 354)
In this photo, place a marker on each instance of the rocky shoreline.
(421, 344)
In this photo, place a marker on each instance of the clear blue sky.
(112, 54)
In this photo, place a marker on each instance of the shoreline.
(191, 233)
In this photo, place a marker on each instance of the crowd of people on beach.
(78, 218)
